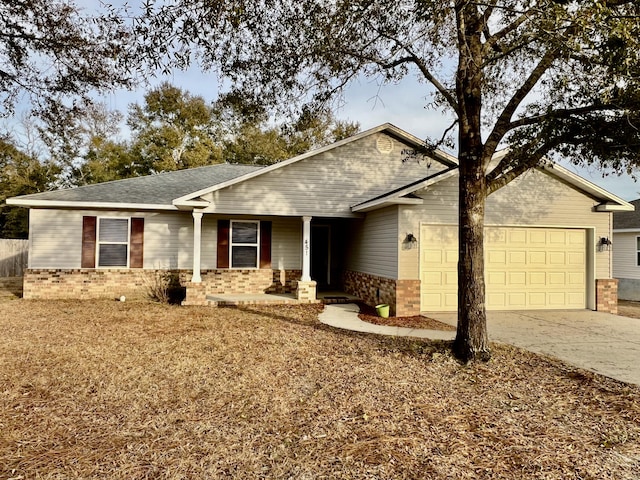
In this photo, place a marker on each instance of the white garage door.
(525, 268)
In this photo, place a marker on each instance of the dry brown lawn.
(137, 390)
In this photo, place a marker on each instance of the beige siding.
(374, 244)
(534, 199)
(56, 239)
(625, 263)
(327, 184)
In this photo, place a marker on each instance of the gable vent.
(384, 144)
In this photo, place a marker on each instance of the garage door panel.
(576, 258)
(497, 278)
(517, 278)
(557, 258)
(557, 279)
(498, 257)
(537, 299)
(537, 258)
(525, 268)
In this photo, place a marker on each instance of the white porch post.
(306, 249)
(197, 237)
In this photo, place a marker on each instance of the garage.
(526, 268)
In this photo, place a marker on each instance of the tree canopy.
(53, 52)
(545, 77)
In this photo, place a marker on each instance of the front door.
(321, 255)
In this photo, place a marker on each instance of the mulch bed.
(368, 314)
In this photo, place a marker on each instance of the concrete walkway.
(345, 316)
(600, 342)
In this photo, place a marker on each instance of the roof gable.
(410, 140)
(329, 181)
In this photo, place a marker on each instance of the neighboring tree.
(249, 136)
(173, 130)
(543, 76)
(85, 144)
(52, 51)
(20, 174)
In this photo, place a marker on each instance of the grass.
(138, 390)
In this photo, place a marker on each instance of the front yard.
(138, 390)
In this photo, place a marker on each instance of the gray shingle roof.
(622, 220)
(159, 189)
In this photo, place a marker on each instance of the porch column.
(306, 249)
(197, 236)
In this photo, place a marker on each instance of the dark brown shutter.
(136, 243)
(265, 244)
(223, 243)
(88, 242)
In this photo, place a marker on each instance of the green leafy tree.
(250, 137)
(20, 174)
(52, 51)
(545, 77)
(85, 144)
(173, 130)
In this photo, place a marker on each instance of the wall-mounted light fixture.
(604, 244)
(409, 241)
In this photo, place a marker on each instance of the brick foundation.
(134, 283)
(607, 295)
(403, 296)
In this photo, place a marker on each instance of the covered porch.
(295, 260)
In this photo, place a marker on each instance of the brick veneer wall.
(134, 283)
(403, 296)
(607, 295)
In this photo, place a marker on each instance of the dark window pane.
(244, 257)
(244, 232)
(114, 230)
(112, 256)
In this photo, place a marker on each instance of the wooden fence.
(13, 257)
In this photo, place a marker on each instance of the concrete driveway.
(600, 342)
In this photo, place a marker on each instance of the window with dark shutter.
(244, 244)
(113, 242)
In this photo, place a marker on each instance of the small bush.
(164, 287)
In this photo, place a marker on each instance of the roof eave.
(397, 197)
(30, 203)
(610, 202)
(614, 207)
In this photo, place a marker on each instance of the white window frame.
(232, 244)
(637, 252)
(98, 242)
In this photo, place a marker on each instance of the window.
(245, 243)
(113, 242)
(638, 251)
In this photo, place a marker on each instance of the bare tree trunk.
(471, 341)
(471, 338)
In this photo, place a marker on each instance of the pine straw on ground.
(630, 309)
(136, 390)
(370, 315)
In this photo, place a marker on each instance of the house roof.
(184, 188)
(151, 191)
(628, 220)
(404, 194)
(412, 140)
